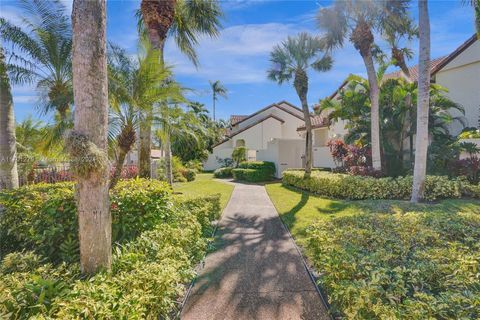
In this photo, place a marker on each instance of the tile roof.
(234, 118)
(414, 70)
(317, 122)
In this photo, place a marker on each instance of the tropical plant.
(41, 53)
(8, 148)
(357, 20)
(423, 104)
(397, 119)
(291, 60)
(218, 90)
(185, 21)
(175, 127)
(135, 86)
(87, 143)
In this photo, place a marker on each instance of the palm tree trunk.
(214, 105)
(168, 159)
(476, 6)
(118, 168)
(421, 141)
(8, 145)
(375, 112)
(301, 86)
(90, 92)
(144, 142)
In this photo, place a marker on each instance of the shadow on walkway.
(256, 272)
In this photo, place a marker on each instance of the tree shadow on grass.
(255, 273)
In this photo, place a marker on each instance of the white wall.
(462, 79)
(257, 136)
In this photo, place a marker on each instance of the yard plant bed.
(344, 186)
(389, 259)
(158, 240)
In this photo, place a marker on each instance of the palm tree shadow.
(255, 273)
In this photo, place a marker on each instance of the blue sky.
(239, 58)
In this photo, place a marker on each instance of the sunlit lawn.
(301, 209)
(205, 185)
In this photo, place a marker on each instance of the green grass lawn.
(300, 209)
(205, 185)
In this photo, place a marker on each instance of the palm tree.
(291, 60)
(87, 143)
(218, 90)
(476, 7)
(134, 88)
(8, 148)
(200, 111)
(41, 53)
(357, 20)
(185, 21)
(423, 101)
(175, 126)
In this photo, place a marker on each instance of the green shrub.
(189, 174)
(44, 218)
(148, 272)
(225, 172)
(399, 266)
(206, 209)
(254, 171)
(358, 187)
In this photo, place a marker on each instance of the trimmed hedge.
(254, 171)
(149, 268)
(399, 266)
(225, 172)
(344, 186)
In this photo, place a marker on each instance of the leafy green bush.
(225, 172)
(254, 171)
(44, 218)
(206, 209)
(357, 187)
(399, 266)
(149, 269)
(189, 174)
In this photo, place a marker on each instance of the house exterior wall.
(462, 79)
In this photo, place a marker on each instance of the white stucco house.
(269, 134)
(277, 132)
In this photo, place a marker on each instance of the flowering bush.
(352, 159)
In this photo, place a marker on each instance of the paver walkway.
(256, 271)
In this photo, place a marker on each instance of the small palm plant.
(135, 87)
(218, 90)
(291, 60)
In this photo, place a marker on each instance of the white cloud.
(239, 55)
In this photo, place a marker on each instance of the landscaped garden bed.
(158, 239)
(345, 186)
(389, 259)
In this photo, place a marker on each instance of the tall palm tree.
(423, 101)
(218, 90)
(357, 20)
(185, 21)
(476, 7)
(8, 148)
(291, 60)
(134, 88)
(87, 144)
(41, 53)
